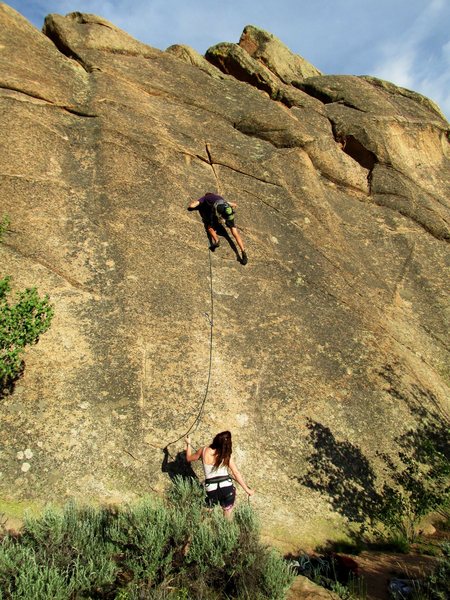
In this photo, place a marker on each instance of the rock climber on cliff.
(214, 209)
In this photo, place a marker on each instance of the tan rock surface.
(192, 57)
(304, 589)
(327, 347)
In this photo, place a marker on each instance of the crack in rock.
(248, 174)
(64, 48)
(43, 263)
(70, 109)
(377, 198)
(324, 97)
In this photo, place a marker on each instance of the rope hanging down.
(210, 318)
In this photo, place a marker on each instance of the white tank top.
(212, 471)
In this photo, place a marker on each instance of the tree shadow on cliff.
(421, 402)
(415, 476)
(420, 471)
(178, 466)
(421, 468)
(341, 471)
(431, 438)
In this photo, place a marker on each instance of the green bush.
(22, 577)
(327, 572)
(21, 323)
(161, 550)
(75, 540)
(143, 536)
(274, 574)
(422, 482)
(436, 586)
(186, 493)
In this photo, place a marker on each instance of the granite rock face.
(271, 52)
(328, 348)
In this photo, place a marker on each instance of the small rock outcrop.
(263, 61)
(194, 58)
(305, 589)
(329, 351)
(264, 47)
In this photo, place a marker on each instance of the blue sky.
(404, 41)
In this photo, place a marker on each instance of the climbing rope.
(210, 318)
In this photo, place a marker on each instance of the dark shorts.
(225, 496)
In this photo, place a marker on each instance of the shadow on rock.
(421, 483)
(223, 233)
(421, 468)
(416, 476)
(220, 229)
(178, 466)
(341, 471)
(7, 385)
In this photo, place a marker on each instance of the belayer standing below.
(213, 208)
(217, 460)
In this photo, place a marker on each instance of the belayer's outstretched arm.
(238, 477)
(192, 456)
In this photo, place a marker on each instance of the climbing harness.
(210, 318)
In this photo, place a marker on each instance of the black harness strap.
(217, 479)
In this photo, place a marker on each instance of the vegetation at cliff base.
(170, 549)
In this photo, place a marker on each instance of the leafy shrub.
(422, 482)
(186, 493)
(75, 540)
(161, 550)
(212, 542)
(142, 534)
(332, 572)
(22, 576)
(435, 586)
(21, 324)
(274, 575)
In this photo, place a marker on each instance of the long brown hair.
(222, 446)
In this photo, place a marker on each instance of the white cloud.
(414, 60)
(436, 87)
(446, 52)
(398, 69)
(438, 5)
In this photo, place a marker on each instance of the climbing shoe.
(244, 259)
(214, 245)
